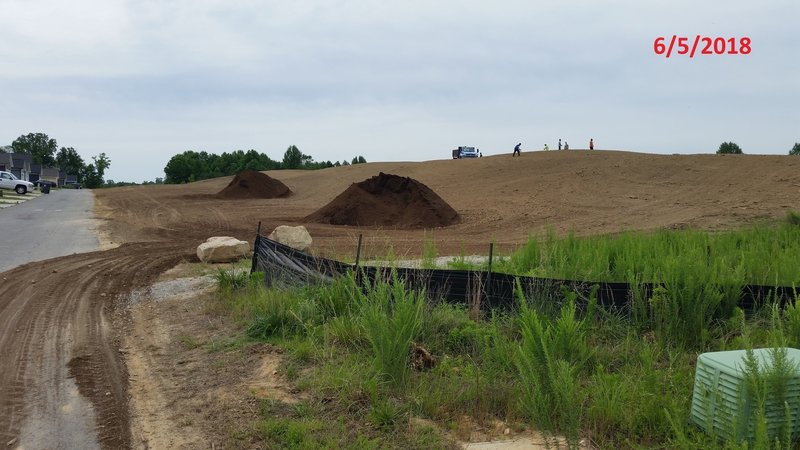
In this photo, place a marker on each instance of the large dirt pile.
(252, 184)
(387, 200)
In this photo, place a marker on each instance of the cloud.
(143, 80)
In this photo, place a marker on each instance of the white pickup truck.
(465, 152)
(9, 181)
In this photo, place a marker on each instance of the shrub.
(232, 280)
(793, 217)
(796, 149)
(729, 148)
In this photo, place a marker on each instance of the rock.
(222, 249)
(295, 237)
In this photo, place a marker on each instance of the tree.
(729, 148)
(101, 163)
(91, 175)
(68, 160)
(294, 158)
(796, 149)
(91, 179)
(38, 145)
(184, 168)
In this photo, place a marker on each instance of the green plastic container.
(722, 405)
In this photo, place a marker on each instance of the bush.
(793, 217)
(796, 149)
(729, 148)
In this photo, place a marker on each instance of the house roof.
(23, 157)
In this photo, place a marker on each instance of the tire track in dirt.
(58, 346)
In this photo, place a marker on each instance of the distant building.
(36, 171)
(17, 163)
(50, 174)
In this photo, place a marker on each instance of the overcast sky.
(405, 80)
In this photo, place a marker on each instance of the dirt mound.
(387, 200)
(252, 184)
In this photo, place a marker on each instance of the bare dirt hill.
(498, 197)
(252, 184)
(387, 200)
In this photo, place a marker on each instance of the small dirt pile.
(387, 200)
(252, 184)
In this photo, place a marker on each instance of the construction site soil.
(387, 200)
(252, 184)
(65, 319)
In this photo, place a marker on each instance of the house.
(50, 174)
(17, 163)
(5, 162)
(22, 165)
(36, 170)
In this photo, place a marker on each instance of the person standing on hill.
(517, 150)
(591, 144)
(559, 144)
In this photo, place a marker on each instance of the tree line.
(732, 148)
(45, 152)
(194, 166)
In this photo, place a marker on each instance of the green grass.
(621, 380)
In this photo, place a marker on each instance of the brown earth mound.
(387, 200)
(252, 184)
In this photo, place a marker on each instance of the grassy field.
(375, 359)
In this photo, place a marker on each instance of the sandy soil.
(68, 325)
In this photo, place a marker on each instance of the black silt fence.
(284, 265)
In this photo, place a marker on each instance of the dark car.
(41, 183)
(73, 185)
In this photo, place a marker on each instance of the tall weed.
(550, 359)
(392, 317)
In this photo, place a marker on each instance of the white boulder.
(295, 237)
(222, 249)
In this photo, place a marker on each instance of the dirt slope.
(499, 197)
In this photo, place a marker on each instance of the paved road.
(57, 224)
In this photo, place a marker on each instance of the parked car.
(73, 185)
(9, 181)
(465, 152)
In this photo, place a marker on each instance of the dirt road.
(59, 320)
(57, 341)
